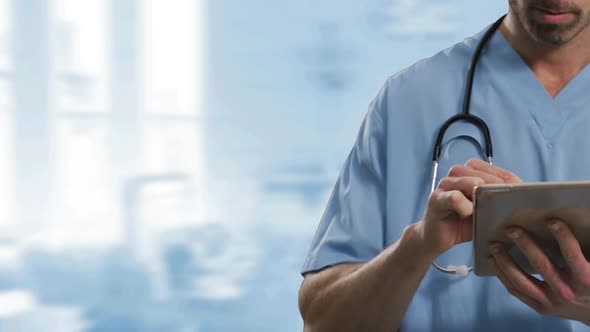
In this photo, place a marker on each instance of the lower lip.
(554, 18)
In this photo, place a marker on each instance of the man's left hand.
(563, 292)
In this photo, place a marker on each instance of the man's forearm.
(373, 297)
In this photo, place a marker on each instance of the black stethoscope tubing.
(465, 116)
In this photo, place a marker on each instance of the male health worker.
(370, 266)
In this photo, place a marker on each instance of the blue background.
(164, 164)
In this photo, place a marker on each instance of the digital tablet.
(530, 206)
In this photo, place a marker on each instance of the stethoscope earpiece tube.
(476, 121)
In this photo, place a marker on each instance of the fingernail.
(513, 233)
(554, 225)
(495, 249)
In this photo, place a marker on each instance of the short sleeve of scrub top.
(351, 229)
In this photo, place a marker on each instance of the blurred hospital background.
(164, 163)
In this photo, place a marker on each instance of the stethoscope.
(465, 116)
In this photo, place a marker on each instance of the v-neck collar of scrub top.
(549, 113)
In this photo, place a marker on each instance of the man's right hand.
(447, 220)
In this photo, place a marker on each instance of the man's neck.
(554, 66)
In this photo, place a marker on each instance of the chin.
(552, 35)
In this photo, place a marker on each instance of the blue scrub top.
(385, 181)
